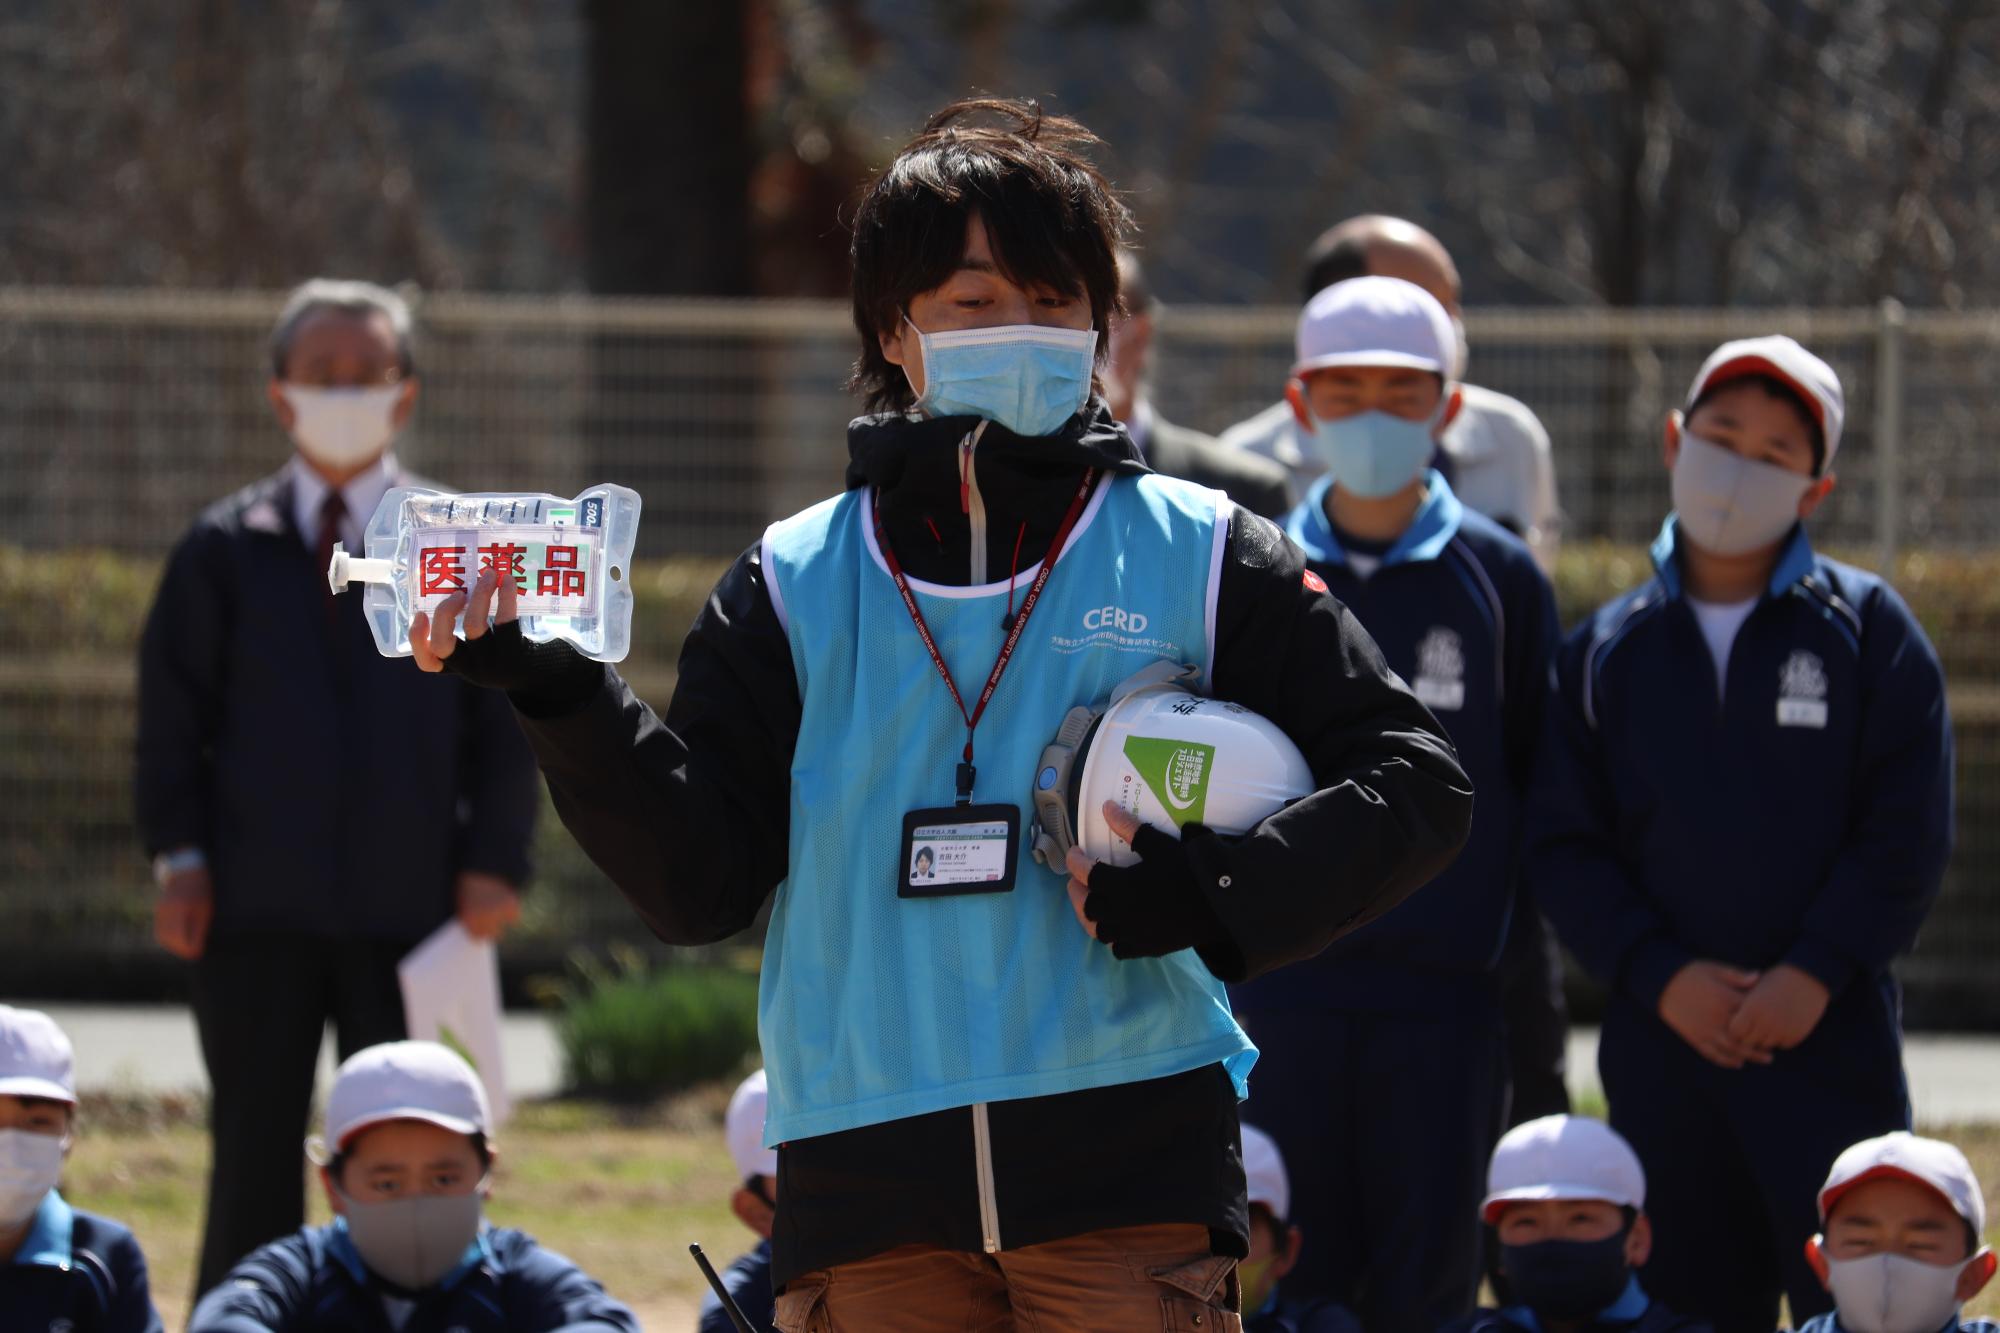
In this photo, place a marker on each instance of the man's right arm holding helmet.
(1392, 806)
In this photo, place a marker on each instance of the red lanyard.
(965, 769)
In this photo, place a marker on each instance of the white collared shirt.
(361, 494)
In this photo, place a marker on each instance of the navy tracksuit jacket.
(748, 1282)
(76, 1272)
(1382, 1069)
(314, 1282)
(1801, 816)
(1633, 1312)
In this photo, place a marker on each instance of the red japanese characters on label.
(552, 566)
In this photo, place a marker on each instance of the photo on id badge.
(958, 849)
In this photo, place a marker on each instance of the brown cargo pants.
(1131, 1278)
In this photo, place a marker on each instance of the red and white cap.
(405, 1080)
(35, 1056)
(1264, 1172)
(1563, 1157)
(1902, 1154)
(743, 1127)
(1375, 321)
(1783, 359)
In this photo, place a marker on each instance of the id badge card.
(955, 849)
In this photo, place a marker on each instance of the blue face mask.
(1027, 378)
(1567, 1279)
(1374, 454)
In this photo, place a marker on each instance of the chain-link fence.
(123, 414)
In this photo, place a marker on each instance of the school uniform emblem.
(1440, 681)
(1802, 691)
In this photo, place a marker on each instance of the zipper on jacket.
(972, 502)
(982, 1159)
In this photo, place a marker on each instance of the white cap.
(1264, 1170)
(1375, 321)
(743, 1127)
(1563, 1157)
(35, 1056)
(1929, 1162)
(1778, 356)
(405, 1080)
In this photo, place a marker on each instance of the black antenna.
(729, 1305)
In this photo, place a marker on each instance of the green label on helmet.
(1177, 772)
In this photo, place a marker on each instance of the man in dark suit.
(312, 808)
(1258, 484)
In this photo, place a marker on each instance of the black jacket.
(1253, 481)
(336, 792)
(689, 818)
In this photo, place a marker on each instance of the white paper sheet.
(451, 994)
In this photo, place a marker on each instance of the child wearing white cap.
(1742, 817)
(406, 1164)
(1275, 1245)
(1566, 1197)
(1384, 1064)
(754, 1202)
(1903, 1239)
(60, 1267)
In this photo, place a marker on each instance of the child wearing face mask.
(754, 1203)
(1385, 1077)
(1275, 1246)
(60, 1267)
(1566, 1199)
(1903, 1235)
(406, 1164)
(1743, 816)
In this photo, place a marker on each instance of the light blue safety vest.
(874, 1007)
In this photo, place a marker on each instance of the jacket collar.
(1795, 561)
(49, 1242)
(1631, 1303)
(1436, 523)
(880, 447)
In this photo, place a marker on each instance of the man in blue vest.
(978, 1103)
(1383, 1077)
(1744, 815)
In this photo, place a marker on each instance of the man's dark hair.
(1776, 388)
(1332, 258)
(1050, 215)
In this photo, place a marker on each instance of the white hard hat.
(1264, 1173)
(405, 1080)
(1931, 1162)
(1170, 757)
(1563, 1157)
(743, 1127)
(35, 1056)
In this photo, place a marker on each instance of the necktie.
(330, 514)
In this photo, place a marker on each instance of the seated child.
(1566, 1196)
(1902, 1243)
(60, 1267)
(406, 1164)
(1274, 1250)
(754, 1203)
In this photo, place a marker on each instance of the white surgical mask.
(342, 427)
(414, 1243)
(1888, 1293)
(1729, 504)
(30, 1165)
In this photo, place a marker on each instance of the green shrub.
(631, 1033)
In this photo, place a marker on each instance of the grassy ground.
(621, 1192)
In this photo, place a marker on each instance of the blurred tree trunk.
(668, 155)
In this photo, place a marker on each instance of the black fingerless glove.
(541, 679)
(1155, 907)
